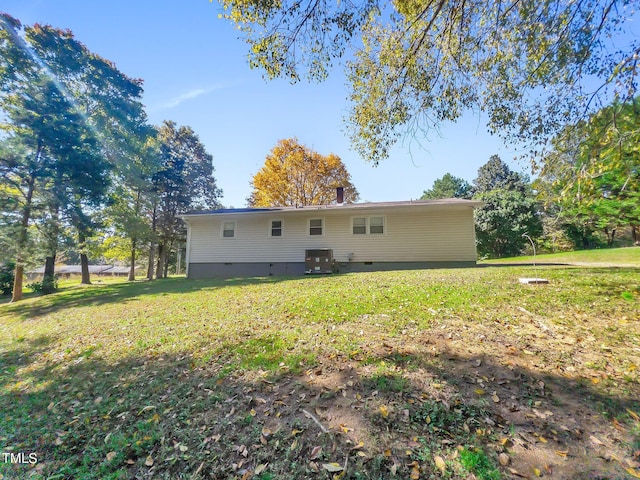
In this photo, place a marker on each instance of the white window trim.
(235, 229)
(368, 226)
(324, 226)
(270, 227)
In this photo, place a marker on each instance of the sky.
(195, 72)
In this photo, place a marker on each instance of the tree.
(509, 211)
(418, 64)
(294, 175)
(591, 179)
(448, 187)
(69, 109)
(183, 183)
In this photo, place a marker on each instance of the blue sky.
(195, 73)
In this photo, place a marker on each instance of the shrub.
(39, 287)
(6, 277)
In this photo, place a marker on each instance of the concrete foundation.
(265, 269)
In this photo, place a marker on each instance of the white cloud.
(183, 97)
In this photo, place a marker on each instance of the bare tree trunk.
(22, 243)
(84, 261)
(152, 248)
(132, 267)
(160, 266)
(49, 278)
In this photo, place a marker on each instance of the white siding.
(434, 233)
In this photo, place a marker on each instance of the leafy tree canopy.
(591, 178)
(509, 211)
(294, 175)
(530, 66)
(448, 187)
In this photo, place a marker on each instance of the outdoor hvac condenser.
(318, 261)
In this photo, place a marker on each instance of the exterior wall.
(421, 235)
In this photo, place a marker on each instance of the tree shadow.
(103, 294)
(177, 416)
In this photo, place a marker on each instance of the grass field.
(628, 256)
(415, 374)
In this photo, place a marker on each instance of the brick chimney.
(340, 194)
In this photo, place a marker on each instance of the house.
(68, 270)
(353, 237)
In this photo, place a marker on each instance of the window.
(368, 225)
(229, 229)
(276, 228)
(315, 226)
(376, 225)
(360, 226)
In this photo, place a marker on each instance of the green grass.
(118, 380)
(477, 462)
(628, 256)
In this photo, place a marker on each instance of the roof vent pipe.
(340, 195)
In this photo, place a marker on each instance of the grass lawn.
(627, 256)
(416, 374)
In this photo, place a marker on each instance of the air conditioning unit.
(318, 261)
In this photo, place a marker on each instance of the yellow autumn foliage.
(293, 175)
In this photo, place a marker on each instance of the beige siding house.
(361, 237)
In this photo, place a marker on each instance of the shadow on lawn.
(167, 417)
(97, 294)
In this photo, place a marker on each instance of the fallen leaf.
(596, 440)
(260, 468)
(479, 391)
(296, 432)
(504, 459)
(332, 467)
(537, 472)
(111, 456)
(633, 415)
(387, 452)
(439, 461)
(315, 453)
(415, 473)
(149, 461)
(384, 411)
(542, 439)
(633, 472)
(146, 409)
(495, 398)
(252, 412)
(183, 448)
(562, 453)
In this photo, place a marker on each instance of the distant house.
(68, 270)
(343, 237)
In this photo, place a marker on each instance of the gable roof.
(338, 206)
